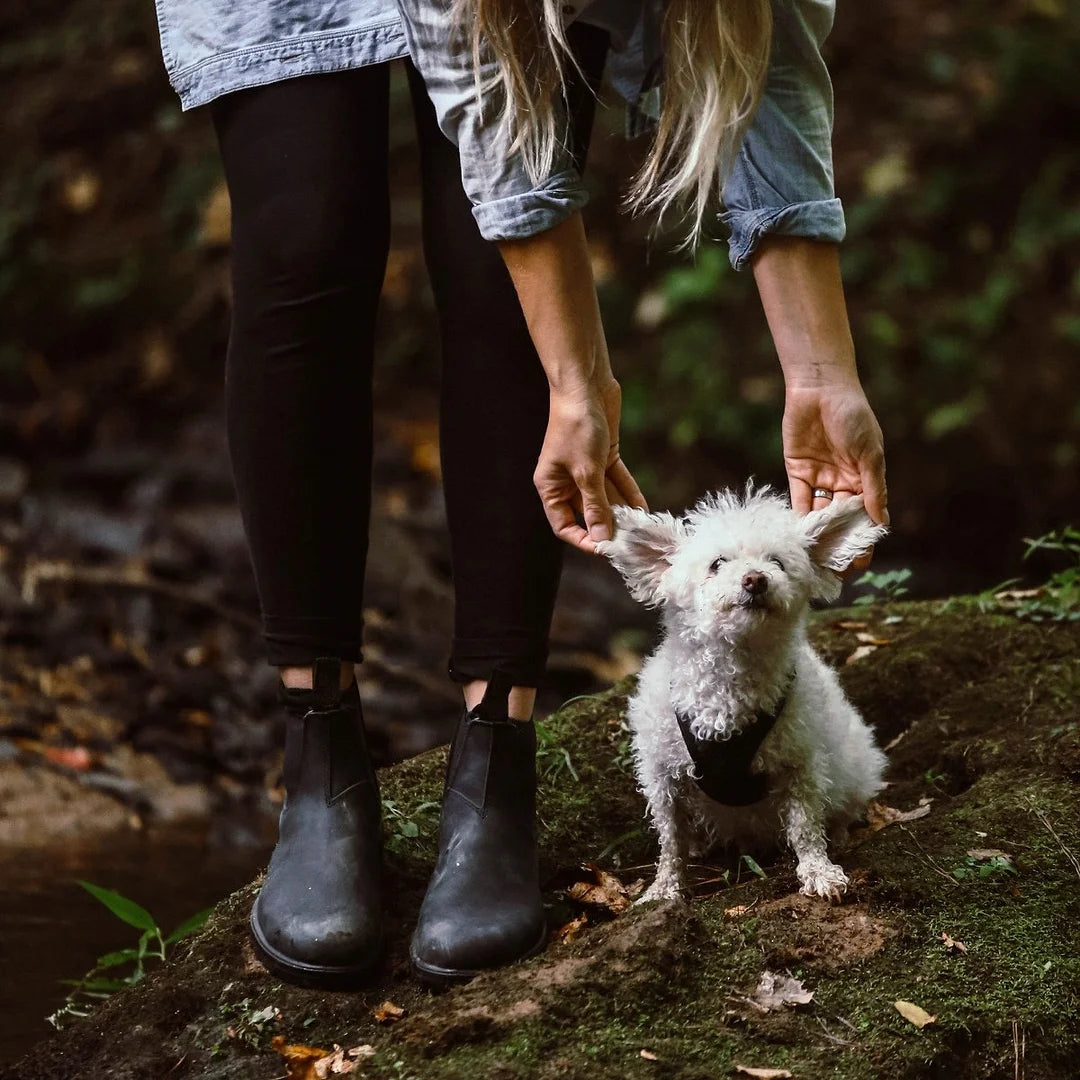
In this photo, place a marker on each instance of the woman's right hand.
(579, 473)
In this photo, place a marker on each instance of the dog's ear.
(838, 535)
(642, 549)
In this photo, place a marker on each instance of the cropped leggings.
(306, 164)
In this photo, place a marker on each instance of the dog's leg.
(670, 822)
(805, 828)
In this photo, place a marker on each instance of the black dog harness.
(723, 765)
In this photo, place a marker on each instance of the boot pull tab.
(325, 682)
(493, 705)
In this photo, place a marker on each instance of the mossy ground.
(985, 708)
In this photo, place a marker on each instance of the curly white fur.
(728, 653)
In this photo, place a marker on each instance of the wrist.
(818, 370)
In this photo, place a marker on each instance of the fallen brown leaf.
(952, 944)
(984, 854)
(774, 992)
(648, 1055)
(569, 931)
(861, 653)
(878, 815)
(850, 624)
(388, 1013)
(737, 911)
(763, 1074)
(603, 891)
(69, 757)
(914, 1014)
(870, 639)
(300, 1060)
(336, 1063)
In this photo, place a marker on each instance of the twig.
(930, 862)
(1019, 1051)
(132, 577)
(1053, 832)
(829, 1035)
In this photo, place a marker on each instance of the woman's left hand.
(832, 441)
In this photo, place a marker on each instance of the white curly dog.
(741, 733)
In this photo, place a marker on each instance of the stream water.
(51, 929)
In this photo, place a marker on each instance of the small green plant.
(152, 945)
(753, 867)
(1059, 599)
(887, 586)
(406, 827)
(973, 869)
(551, 758)
(247, 1024)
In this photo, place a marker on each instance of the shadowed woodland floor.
(969, 909)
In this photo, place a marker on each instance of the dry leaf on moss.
(604, 890)
(914, 1014)
(300, 1060)
(861, 653)
(648, 1055)
(763, 1074)
(569, 931)
(984, 854)
(388, 1013)
(878, 815)
(774, 992)
(952, 944)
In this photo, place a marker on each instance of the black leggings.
(306, 163)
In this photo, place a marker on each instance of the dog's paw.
(662, 889)
(824, 879)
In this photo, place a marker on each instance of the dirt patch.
(640, 950)
(797, 930)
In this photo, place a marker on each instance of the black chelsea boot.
(317, 920)
(483, 906)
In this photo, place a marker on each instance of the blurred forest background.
(130, 670)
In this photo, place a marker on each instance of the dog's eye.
(716, 563)
(776, 560)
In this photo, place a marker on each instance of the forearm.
(803, 298)
(554, 282)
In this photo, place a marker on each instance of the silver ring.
(822, 493)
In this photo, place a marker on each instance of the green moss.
(984, 708)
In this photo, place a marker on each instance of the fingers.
(802, 499)
(624, 482)
(875, 494)
(595, 508)
(564, 525)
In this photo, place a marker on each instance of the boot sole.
(315, 976)
(438, 978)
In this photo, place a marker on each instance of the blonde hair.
(715, 56)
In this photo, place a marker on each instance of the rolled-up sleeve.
(507, 204)
(782, 179)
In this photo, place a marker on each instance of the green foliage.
(408, 827)
(152, 945)
(887, 586)
(1059, 600)
(551, 756)
(996, 867)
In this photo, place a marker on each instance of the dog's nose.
(755, 582)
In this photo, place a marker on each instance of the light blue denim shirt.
(781, 182)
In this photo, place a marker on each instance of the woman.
(305, 160)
